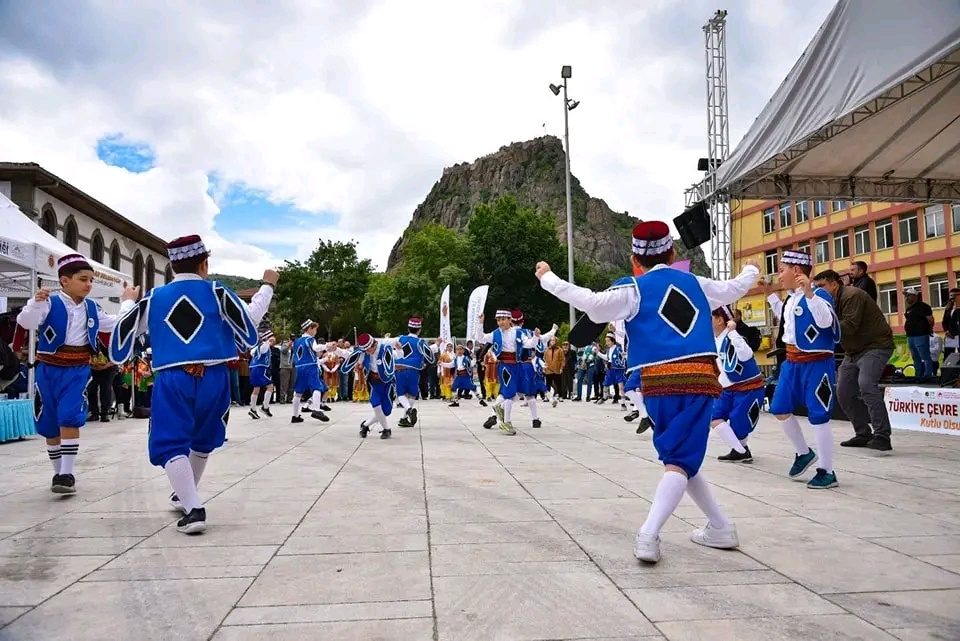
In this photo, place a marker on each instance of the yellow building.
(903, 245)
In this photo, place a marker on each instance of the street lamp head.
(555, 89)
(566, 72)
(572, 104)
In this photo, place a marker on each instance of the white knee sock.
(69, 447)
(381, 418)
(373, 420)
(198, 462)
(253, 398)
(791, 427)
(637, 399)
(266, 397)
(296, 405)
(53, 451)
(534, 409)
(823, 437)
(316, 401)
(180, 474)
(725, 432)
(499, 401)
(507, 409)
(699, 491)
(404, 402)
(665, 501)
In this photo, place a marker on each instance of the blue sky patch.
(249, 216)
(117, 151)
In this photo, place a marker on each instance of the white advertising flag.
(478, 300)
(445, 314)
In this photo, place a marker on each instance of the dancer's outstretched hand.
(542, 268)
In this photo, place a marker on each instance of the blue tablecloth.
(16, 419)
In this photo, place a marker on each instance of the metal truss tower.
(718, 143)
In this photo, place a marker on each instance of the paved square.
(457, 533)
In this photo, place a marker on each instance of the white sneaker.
(646, 548)
(554, 403)
(724, 538)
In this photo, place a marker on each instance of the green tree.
(328, 287)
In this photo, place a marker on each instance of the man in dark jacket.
(951, 324)
(861, 280)
(867, 342)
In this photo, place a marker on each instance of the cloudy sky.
(265, 126)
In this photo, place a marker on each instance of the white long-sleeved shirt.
(34, 313)
(258, 350)
(820, 309)
(256, 308)
(510, 339)
(623, 303)
(744, 353)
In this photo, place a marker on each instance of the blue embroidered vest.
(303, 354)
(673, 322)
(464, 364)
(415, 352)
(186, 325)
(498, 342)
(809, 337)
(52, 334)
(617, 360)
(383, 364)
(261, 358)
(737, 371)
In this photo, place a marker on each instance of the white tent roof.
(25, 247)
(870, 111)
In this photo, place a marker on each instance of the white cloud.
(355, 109)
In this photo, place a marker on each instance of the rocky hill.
(534, 172)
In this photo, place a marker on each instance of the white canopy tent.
(28, 253)
(870, 111)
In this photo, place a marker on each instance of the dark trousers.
(100, 391)
(554, 383)
(859, 393)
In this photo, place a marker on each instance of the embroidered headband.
(75, 260)
(306, 325)
(414, 323)
(365, 341)
(503, 313)
(185, 248)
(794, 257)
(652, 238)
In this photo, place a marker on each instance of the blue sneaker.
(823, 480)
(802, 463)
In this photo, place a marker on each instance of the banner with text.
(478, 300)
(445, 314)
(924, 409)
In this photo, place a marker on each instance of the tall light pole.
(568, 105)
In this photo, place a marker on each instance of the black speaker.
(694, 226)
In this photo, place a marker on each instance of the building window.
(838, 205)
(856, 202)
(955, 209)
(785, 215)
(884, 230)
(769, 221)
(861, 239)
(168, 275)
(96, 247)
(819, 208)
(823, 250)
(907, 284)
(48, 220)
(933, 222)
(115, 256)
(938, 286)
(71, 237)
(909, 228)
(151, 277)
(137, 269)
(804, 247)
(887, 295)
(770, 258)
(803, 211)
(841, 245)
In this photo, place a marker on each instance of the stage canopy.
(26, 249)
(869, 112)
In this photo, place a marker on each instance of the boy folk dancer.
(531, 384)
(463, 385)
(509, 343)
(194, 326)
(736, 412)
(260, 374)
(667, 314)
(811, 332)
(306, 351)
(67, 324)
(375, 360)
(414, 355)
(616, 369)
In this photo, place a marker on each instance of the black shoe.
(483, 403)
(385, 434)
(175, 502)
(536, 422)
(266, 410)
(645, 424)
(454, 404)
(296, 419)
(104, 419)
(490, 422)
(736, 457)
(632, 416)
(413, 416)
(364, 430)
(404, 422)
(880, 444)
(320, 416)
(324, 407)
(194, 522)
(857, 441)
(64, 484)
(253, 413)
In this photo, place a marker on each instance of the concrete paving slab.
(454, 529)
